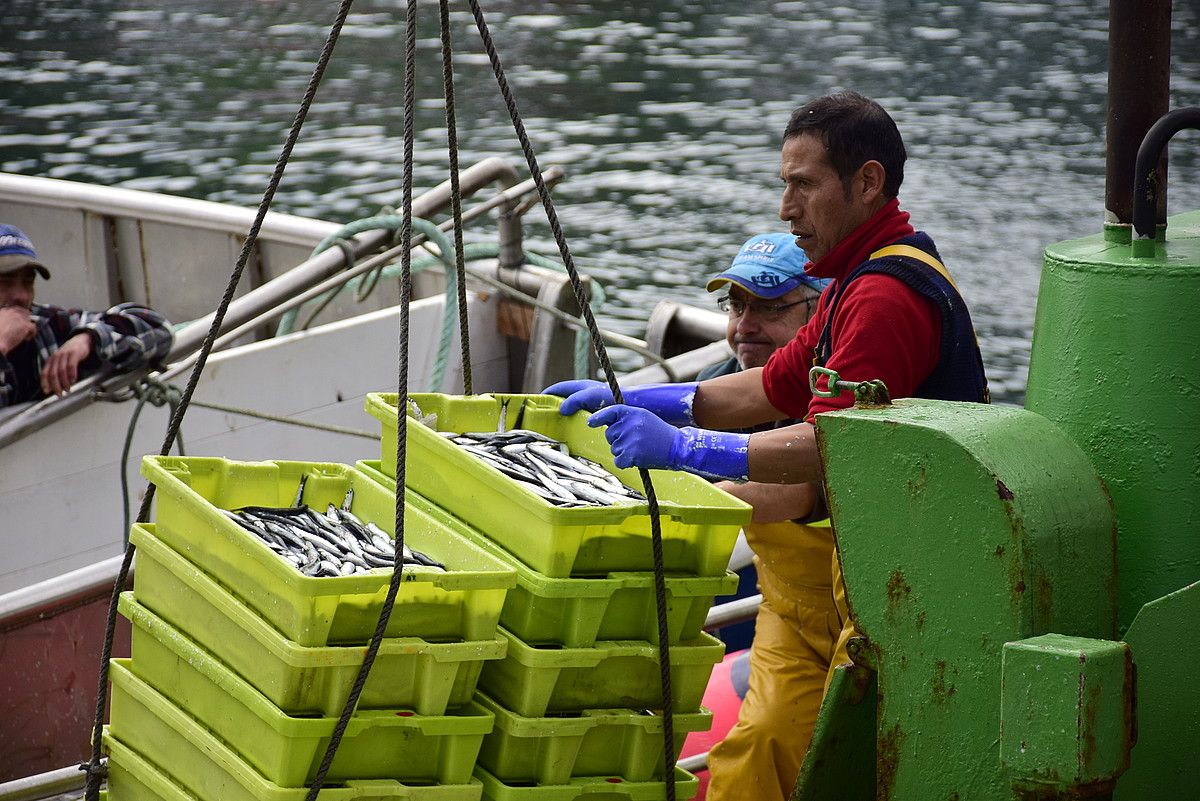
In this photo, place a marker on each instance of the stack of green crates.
(241, 665)
(576, 696)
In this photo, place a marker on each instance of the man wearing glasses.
(768, 297)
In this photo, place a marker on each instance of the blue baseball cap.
(768, 266)
(16, 252)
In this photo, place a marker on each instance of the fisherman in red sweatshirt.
(892, 313)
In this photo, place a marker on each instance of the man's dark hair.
(855, 130)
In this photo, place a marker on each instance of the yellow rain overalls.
(795, 634)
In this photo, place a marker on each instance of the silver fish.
(336, 543)
(545, 467)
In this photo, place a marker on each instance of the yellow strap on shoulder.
(919, 255)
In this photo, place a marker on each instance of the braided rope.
(460, 269)
(92, 787)
(660, 586)
(402, 404)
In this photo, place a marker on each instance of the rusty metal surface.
(960, 527)
(49, 668)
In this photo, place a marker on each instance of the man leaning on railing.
(45, 349)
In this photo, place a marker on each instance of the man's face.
(16, 288)
(815, 202)
(763, 325)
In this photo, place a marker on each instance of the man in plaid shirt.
(45, 349)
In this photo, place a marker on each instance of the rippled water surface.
(666, 115)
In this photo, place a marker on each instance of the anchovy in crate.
(546, 467)
(326, 545)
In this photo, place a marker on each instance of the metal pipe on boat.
(553, 175)
(1138, 95)
(675, 328)
(270, 294)
(610, 337)
(1149, 215)
(44, 785)
(733, 612)
(685, 366)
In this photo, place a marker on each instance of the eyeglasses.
(767, 311)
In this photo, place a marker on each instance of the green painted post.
(960, 527)
(1066, 721)
(1116, 366)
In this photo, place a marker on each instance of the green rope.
(392, 222)
(471, 252)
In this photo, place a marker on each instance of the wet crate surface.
(576, 612)
(699, 522)
(533, 681)
(620, 743)
(408, 672)
(593, 789)
(205, 769)
(377, 744)
(462, 603)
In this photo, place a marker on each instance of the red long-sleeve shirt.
(882, 329)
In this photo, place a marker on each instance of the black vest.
(958, 375)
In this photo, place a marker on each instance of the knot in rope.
(95, 770)
(157, 393)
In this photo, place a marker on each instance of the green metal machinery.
(1026, 582)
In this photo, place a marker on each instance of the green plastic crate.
(576, 612)
(409, 673)
(462, 603)
(700, 522)
(202, 768)
(618, 743)
(377, 744)
(593, 789)
(532, 681)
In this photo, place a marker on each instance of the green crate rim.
(162, 472)
(289, 652)
(383, 406)
(545, 586)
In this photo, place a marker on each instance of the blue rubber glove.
(639, 438)
(670, 402)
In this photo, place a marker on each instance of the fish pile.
(546, 467)
(336, 543)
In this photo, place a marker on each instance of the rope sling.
(95, 769)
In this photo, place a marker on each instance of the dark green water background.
(666, 114)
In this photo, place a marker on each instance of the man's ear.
(871, 177)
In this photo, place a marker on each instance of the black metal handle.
(1145, 188)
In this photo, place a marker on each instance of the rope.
(471, 252)
(156, 394)
(95, 768)
(660, 589)
(451, 313)
(401, 408)
(460, 269)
